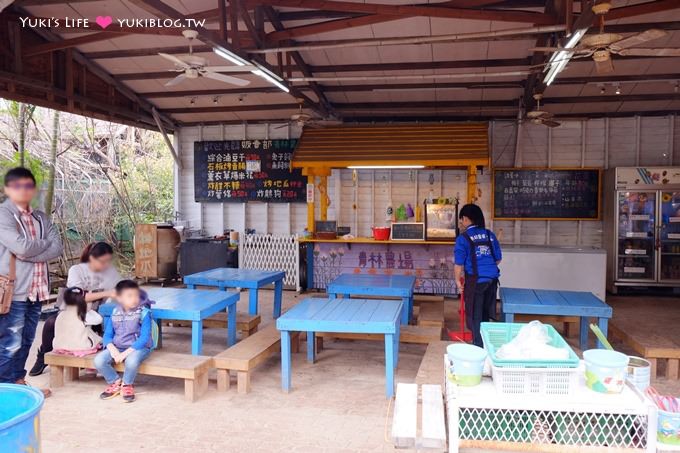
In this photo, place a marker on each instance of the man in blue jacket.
(28, 240)
(477, 254)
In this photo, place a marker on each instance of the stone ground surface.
(337, 404)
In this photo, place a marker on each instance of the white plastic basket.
(557, 381)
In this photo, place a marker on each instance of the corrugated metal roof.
(435, 145)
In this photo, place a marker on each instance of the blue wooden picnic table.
(376, 285)
(557, 303)
(350, 316)
(179, 304)
(225, 277)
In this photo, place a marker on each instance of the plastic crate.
(555, 381)
(496, 334)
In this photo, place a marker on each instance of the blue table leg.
(405, 310)
(311, 347)
(191, 286)
(252, 301)
(278, 297)
(396, 347)
(285, 360)
(196, 337)
(583, 333)
(389, 365)
(231, 325)
(508, 317)
(159, 323)
(602, 323)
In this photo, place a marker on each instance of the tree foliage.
(104, 177)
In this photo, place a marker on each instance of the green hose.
(600, 336)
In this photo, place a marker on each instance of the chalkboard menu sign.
(247, 170)
(547, 194)
(408, 231)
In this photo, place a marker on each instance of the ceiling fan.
(538, 116)
(192, 66)
(303, 119)
(602, 45)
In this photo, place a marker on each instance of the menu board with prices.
(247, 170)
(548, 194)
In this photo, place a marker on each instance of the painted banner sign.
(247, 170)
(431, 264)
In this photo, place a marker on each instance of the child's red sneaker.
(111, 391)
(128, 392)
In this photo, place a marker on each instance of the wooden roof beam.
(300, 62)
(642, 8)
(68, 43)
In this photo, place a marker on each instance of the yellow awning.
(431, 145)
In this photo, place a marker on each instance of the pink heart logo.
(104, 21)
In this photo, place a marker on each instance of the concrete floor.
(337, 404)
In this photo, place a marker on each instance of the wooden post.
(472, 184)
(323, 197)
(311, 179)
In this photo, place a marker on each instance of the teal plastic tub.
(605, 370)
(20, 418)
(496, 334)
(468, 363)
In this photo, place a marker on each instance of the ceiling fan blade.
(650, 52)
(639, 38)
(177, 80)
(247, 68)
(545, 115)
(604, 66)
(550, 123)
(226, 79)
(282, 126)
(174, 59)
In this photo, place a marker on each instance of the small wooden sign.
(146, 252)
(413, 231)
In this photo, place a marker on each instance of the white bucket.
(639, 372)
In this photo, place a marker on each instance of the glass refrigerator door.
(636, 242)
(669, 236)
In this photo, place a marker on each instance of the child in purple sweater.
(127, 338)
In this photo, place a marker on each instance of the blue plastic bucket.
(20, 418)
(468, 363)
(668, 428)
(605, 370)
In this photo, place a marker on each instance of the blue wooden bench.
(585, 305)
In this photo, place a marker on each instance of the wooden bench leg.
(243, 381)
(223, 379)
(252, 331)
(672, 368)
(319, 344)
(652, 368)
(202, 383)
(56, 376)
(72, 373)
(191, 390)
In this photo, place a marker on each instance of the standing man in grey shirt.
(30, 236)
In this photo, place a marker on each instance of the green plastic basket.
(496, 334)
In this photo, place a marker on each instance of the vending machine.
(642, 226)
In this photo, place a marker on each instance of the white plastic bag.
(531, 342)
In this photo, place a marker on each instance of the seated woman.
(72, 335)
(97, 276)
